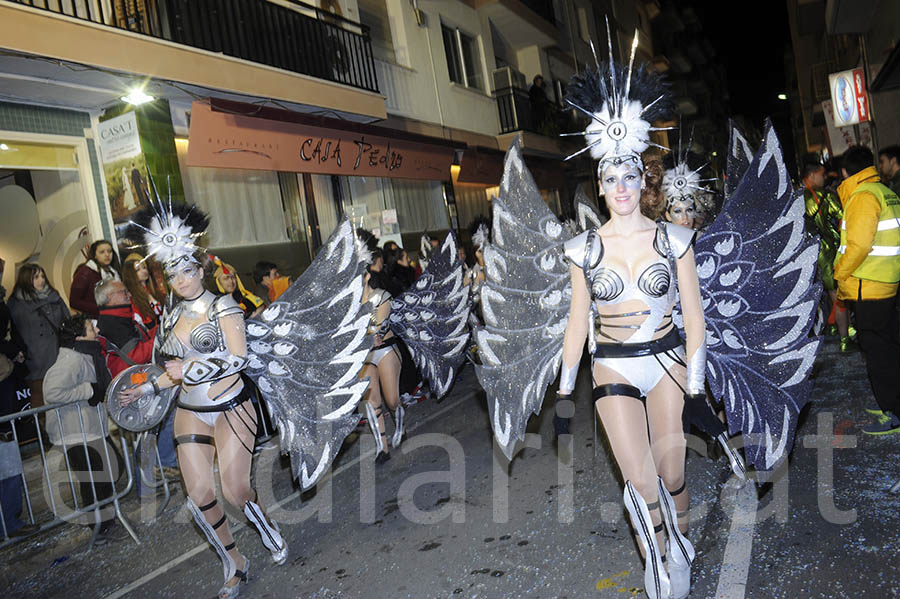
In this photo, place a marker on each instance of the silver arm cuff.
(567, 377)
(696, 372)
(203, 370)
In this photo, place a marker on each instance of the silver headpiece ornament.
(621, 104)
(681, 184)
(168, 230)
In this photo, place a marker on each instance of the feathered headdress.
(168, 230)
(480, 230)
(681, 184)
(622, 104)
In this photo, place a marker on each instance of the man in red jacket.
(127, 342)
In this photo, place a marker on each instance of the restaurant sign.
(223, 140)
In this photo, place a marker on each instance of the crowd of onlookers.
(52, 353)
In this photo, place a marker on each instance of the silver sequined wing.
(757, 269)
(587, 216)
(432, 317)
(525, 302)
(306, 351)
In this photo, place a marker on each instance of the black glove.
(698, 412)
(562, 415)
(99, 394)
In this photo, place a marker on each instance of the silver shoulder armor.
(224, 305)
(585, 250)
(680, 238)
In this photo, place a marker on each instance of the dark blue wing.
(306, 351)
(757, 268)
(432, 317)
(738, 161)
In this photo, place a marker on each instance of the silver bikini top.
(206, 340)
(653, 286)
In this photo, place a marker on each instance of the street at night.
(427, 299)
(826, 530)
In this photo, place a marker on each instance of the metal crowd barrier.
(46, 507)
(46, 493)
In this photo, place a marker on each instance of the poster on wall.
(124, 165)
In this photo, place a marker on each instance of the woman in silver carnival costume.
(746, 303)
(203, 336)
(430, 318)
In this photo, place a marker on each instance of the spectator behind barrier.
(12, 368)
(80, 373)
(138, 281)
(127, 342)
(229, 283)
(102, 264)
(889, 165)
(269, 283)
(37, 311)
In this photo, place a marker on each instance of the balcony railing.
(300, 38)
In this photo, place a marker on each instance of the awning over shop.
(484, 166)
(223, 135)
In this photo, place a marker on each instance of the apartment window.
(373, 13)
(462, 58)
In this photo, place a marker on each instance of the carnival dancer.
(430, 318)
(204, 342)
(616, 285)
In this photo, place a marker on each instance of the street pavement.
(448, 516)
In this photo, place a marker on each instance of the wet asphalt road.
(447, 516)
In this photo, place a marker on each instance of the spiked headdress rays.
(622, 104)
(681, 184)
(168, 230)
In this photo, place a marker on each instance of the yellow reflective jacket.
(862, 213)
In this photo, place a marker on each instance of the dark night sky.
(751, 40)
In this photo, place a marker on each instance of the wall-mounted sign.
(223, 140)
(849, 97)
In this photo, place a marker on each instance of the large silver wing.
(757, 269)
(432, 317)
(525, 302)
(306, 351)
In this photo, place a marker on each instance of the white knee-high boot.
(228, 566)
(656, 580)
(269, 531)
(680, 551)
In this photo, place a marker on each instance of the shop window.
(374, 14)
(463, 59)
(246, 206)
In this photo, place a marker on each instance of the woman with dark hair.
(137, 279)
(37, 311)
(399, 275)
(102, 264)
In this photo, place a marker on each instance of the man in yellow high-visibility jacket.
(867, 271)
